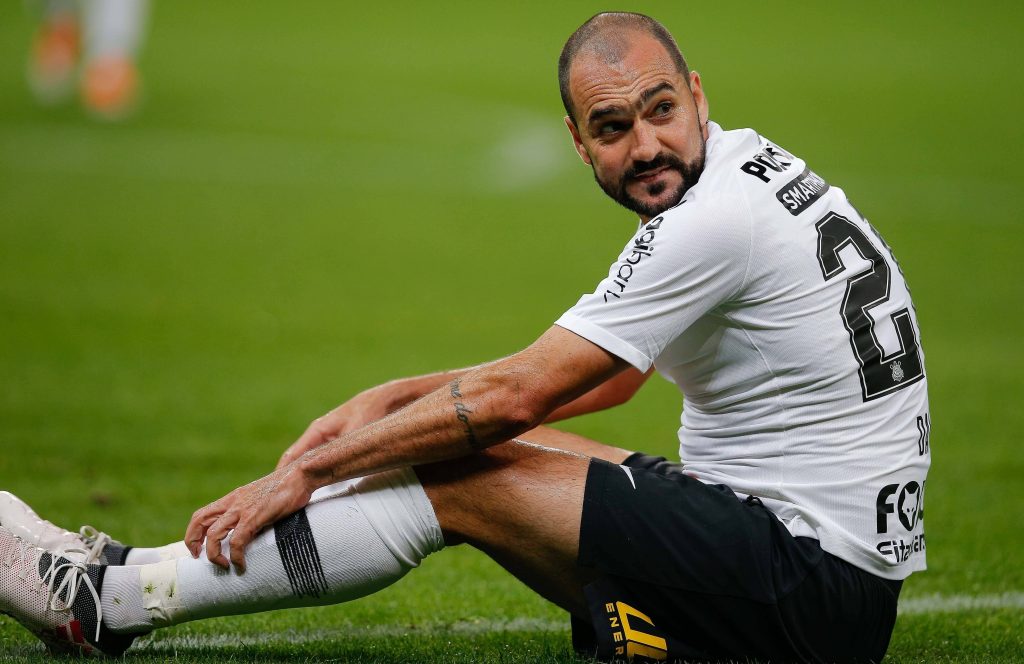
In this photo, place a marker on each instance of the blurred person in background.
(88, 46)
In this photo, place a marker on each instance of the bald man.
(751, 283)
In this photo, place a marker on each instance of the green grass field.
(316, 198)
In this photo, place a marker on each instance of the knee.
(500, 491)
(481, 467)
(458, 490)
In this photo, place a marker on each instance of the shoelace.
(74, 578)
(96, 541)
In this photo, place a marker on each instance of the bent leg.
(335, 550)
(521, 504)
(545, 436)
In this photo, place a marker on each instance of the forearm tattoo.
(463, 412)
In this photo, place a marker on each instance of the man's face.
(638, 124)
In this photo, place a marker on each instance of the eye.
(664, 108)
(612, 128)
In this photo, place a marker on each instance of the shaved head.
(608, 35)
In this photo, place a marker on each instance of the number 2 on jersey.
(879, 374)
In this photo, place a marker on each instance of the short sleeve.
(675, 269)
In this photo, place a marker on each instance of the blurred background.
(305, 199)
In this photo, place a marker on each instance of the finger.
(196, 530)
(240, 539)
(215, 535)
(316, 434)
(289, 455)
(318, 431)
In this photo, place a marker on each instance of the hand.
(247, 510)
(358, 411)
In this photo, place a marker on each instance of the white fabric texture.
(727, 295)
(331, 490)
(121, 599)
(145, 556)
(365, 538)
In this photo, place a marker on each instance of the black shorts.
(690, 572)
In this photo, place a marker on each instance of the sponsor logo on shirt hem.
(907, 503)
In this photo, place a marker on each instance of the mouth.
(648, 176)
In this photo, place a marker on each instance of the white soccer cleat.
(17, 517)
(56, 597)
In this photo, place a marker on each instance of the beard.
(689, 174)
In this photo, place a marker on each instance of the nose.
(645, 142)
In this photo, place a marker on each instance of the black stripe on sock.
(114, 553)
(299, 556)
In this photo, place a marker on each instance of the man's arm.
(485, 406)
(613, 392)
(385, 399)
(365, 407)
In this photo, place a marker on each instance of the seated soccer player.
(752, 283)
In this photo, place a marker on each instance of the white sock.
(352, 544)
(114, 27)
(144, 556)
(139, 555)
(331, 490)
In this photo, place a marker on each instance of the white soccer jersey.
(785, 320)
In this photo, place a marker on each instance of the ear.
(700, 100)
(577, 141)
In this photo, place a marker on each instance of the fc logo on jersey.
(897, 372)
(908, 506)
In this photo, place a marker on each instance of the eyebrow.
(599, 113)
(645, 97)
(647, 94)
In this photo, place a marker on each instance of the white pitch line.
(923, 604)
(519, 625)
(956, 603)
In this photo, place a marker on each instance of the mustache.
(638, 168)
